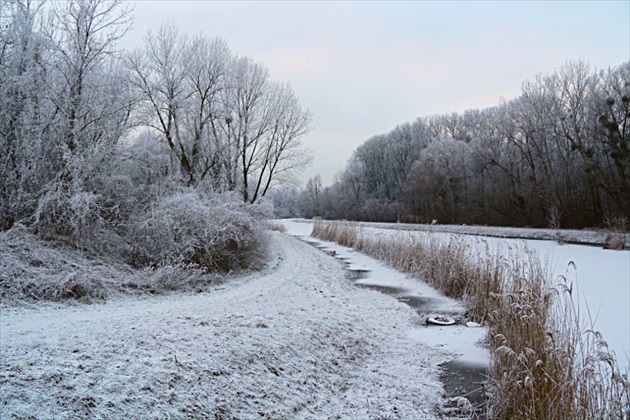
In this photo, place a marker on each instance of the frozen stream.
(602, 278)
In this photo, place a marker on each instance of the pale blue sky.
(364, 67)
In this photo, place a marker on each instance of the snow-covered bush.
(81, 219)
(214, 232)
(174, 277)
(617, 226)
(91, 208)
(62, 212)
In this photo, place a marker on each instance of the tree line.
(93, 138)
(556, 156)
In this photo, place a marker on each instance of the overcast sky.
(362, 68)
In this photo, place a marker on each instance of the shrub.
(278, 227)
(174, 277)
(614, 241)
(215, 232)
(78, 218)
(31, 269)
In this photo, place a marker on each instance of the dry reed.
(544, 363)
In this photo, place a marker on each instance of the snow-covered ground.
(297, 340)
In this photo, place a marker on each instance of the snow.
(602, 280)
(585, 236)
(378, 274)
(461, 342)
(296, 340)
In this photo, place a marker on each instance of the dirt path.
(294, 341)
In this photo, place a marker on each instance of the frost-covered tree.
(65, 106)
(611, 106)
(285, 201)
(438, 182)
(128, 155)
(227, 124)
(23, 59)
(180, 82)
(311, 197)
(559, 149)
(267, 125)
(88, 107)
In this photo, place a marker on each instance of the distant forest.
(556, 156)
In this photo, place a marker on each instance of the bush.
(79, 218)
(213, 232)
(617, 226)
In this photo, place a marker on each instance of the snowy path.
(295, 341)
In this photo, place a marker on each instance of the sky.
(362, 68)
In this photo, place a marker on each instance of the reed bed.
(545, 360)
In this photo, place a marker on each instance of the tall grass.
(544, 364)
(450, 267)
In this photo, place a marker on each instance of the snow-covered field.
(297, 340)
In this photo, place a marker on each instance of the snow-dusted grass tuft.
(544, 362)
(32, 270)
(530, 375)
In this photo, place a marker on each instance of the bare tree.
(282, 149)
(611, 106)
(221, 116)
(311, 197)
(559, 148)
(159, 73)
(267, 127)
(85, 35)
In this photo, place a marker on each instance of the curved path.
(294, 341)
